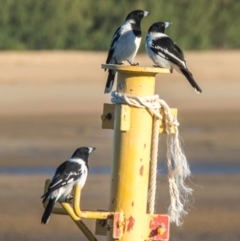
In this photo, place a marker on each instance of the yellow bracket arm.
(87, 214)
(76, 207)
(68, 210)
(76, 213)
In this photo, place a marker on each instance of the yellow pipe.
(87, 214)
(89, 235)
(131, 154)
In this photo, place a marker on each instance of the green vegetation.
(90, 24)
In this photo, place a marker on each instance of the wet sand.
(214, 214)
(51, 103)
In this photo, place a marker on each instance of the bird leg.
(69, 199)
(117, 62)
(132, 64)
(157, 66)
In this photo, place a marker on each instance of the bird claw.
(69, 199)
(134, 64)
(157, 66)
(117, 62)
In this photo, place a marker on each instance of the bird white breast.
(62, 193)
(127, 46)
(81, 181)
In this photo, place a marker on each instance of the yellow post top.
(135, 80)
(137, 69)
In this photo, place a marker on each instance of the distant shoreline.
(42, 82)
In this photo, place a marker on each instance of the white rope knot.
(178, 168)
(153, 103)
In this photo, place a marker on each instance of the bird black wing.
(179, 51)
(115, 39)
(165, 47)
(65, 174)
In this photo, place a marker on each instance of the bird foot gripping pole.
(128, 217)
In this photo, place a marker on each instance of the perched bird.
(71, 172)
(125, 44)
(165, 53)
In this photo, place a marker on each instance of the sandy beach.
(51, 103)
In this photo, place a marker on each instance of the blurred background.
(51, 101)
(89, 24)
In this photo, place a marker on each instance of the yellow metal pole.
(131, 155)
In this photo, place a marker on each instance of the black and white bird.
(165, 53)
(125, 43)
(71, 172)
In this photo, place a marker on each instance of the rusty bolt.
(160, 230)
(109, 227)
(108, 116)
(102, 222)
(120, 224)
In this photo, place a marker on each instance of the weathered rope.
(153, 166)
(178, 168)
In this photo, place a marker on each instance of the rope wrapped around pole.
(178, 168)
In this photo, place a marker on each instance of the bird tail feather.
(45, 196)
(48, 210)
(110, 81)
(191, 80)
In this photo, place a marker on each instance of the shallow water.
(206, 169)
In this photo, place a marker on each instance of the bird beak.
(145, 13)
(91, 149)
(167, 24)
